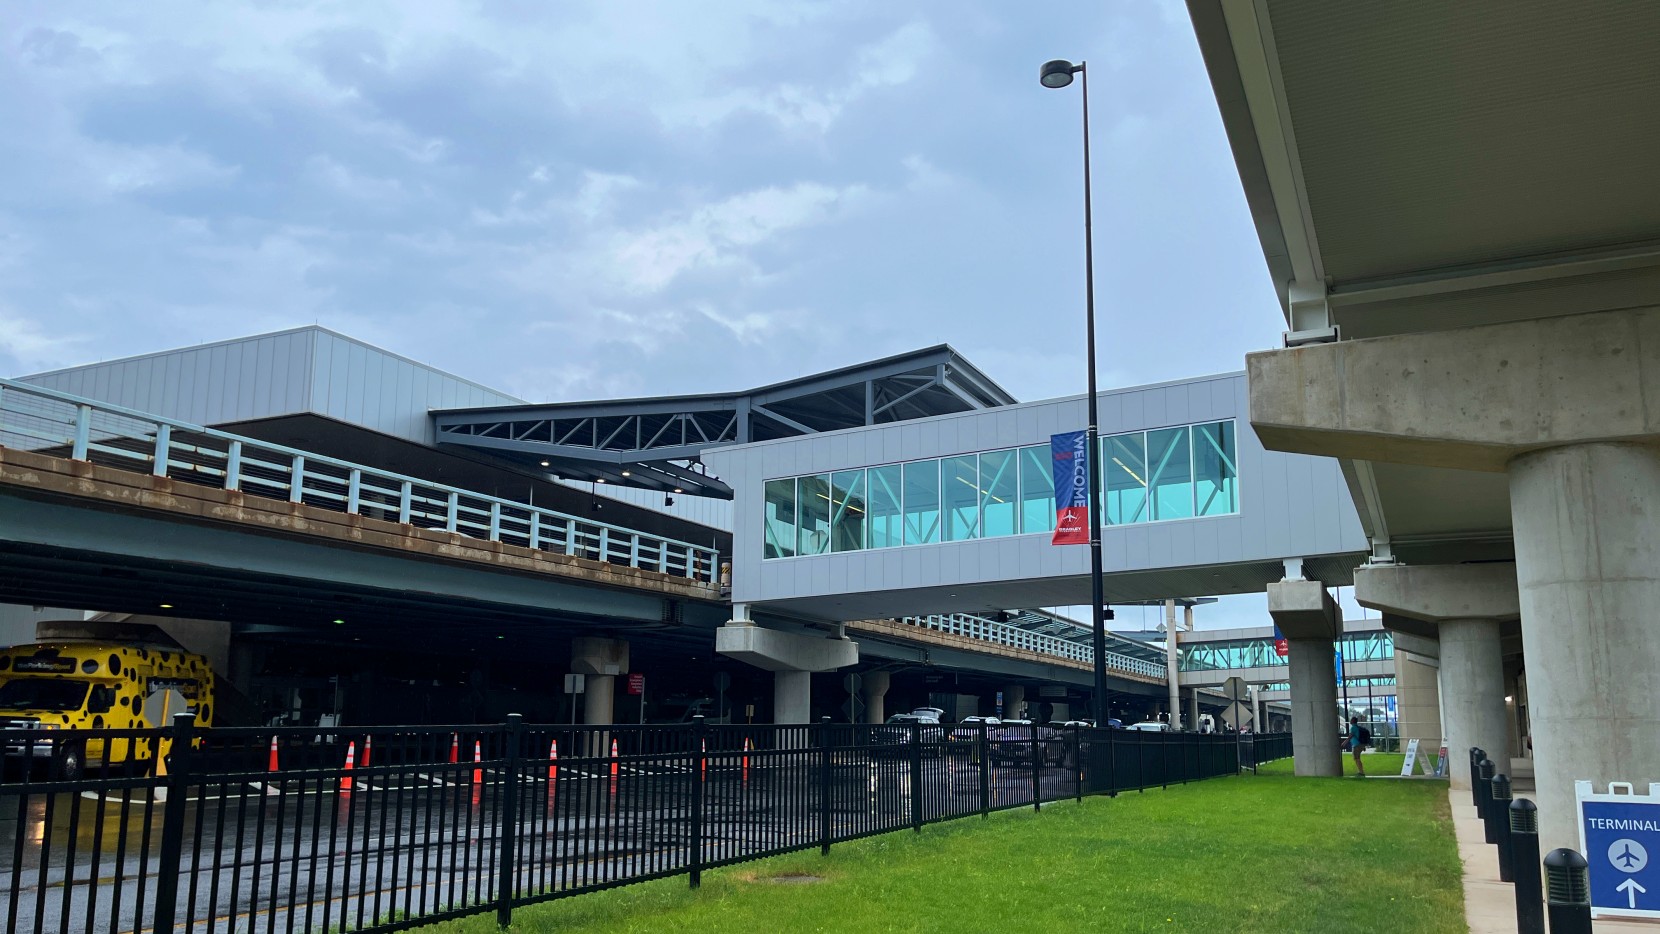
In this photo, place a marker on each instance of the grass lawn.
(1264, 853)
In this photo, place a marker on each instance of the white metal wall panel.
(1290, 505)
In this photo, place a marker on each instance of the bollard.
(1498, 820)
(1568, 884)
(1524, 860)
(1476, 755)
(1484, 799)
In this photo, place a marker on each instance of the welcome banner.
(1069, 453)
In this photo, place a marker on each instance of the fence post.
(824, 766)
(1570, 892)
(1077, 759)
(1037, 769)
(164, 442)
(183, 732)
(700, 737)
(406, 493)
(985, 770)
(354, 491)
(1524, 853)
(83, 432)
(916, 777)
(509, 838)
(452, 512)
(233, 466)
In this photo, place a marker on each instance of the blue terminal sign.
(1621, 838)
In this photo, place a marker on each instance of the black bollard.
(1498, 821)
(1568, 883)
(1524, 860)
(1476, 755)
(1484, 799)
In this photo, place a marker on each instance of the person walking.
(1357, 742)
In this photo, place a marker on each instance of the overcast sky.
(583, 200)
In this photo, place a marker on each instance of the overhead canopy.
(658, 443)
(1422, 165)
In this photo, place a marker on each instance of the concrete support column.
(601, 660)
(792, 696)
(1310, 621)
(1315, 727)
(1418, 697)
(874, 685)
(1587, 532)
(1472, 693)
(1193, 709)
(1172, 649)
(1014, 701)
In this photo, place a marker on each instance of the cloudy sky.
(590, 199)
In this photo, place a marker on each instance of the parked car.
(1151, 726)
(969, 728)
(896, 736)
(1014, 743)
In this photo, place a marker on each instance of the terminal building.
(889, 520)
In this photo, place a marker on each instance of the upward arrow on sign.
(1630, 888)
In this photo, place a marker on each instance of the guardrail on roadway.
(377, 829)
(978, 627)
(51, 422)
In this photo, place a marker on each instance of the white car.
(1151, 726)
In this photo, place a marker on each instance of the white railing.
(50, 422)
(978, 627)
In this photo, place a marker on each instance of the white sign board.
(1411, 758)
(575, 683)
(1619, 833)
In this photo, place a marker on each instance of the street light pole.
(1058, 74)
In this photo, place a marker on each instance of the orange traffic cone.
(746, 758)
(703, 762)
(455, 749)
(553, 761)
(272, 766)
(351, 756)
(478, 770)
(368, 742)
(613, 758)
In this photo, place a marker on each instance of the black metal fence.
(378, 829)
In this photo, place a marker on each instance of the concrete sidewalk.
(1490, 905)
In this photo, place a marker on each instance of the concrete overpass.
(1459, 213)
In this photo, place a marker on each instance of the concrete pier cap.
(775, 650)
(1304, 610)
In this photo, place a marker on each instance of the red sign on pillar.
(636, 683)
(1282, 648)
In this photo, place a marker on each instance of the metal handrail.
(978, 627)
(33, 418)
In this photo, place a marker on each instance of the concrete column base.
(1587, 531)
(874, 685)
(1472, 694)
(1316, 730)
(792, 696)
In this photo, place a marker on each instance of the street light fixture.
(1058, 74)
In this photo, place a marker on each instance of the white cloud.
(33, 346)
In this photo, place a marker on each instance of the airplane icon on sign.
(1628, 860)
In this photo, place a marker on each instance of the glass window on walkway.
(1037, 490)
(922, 502)
(999, 485)
(780, 519)
(813, 497)
(1170, 473)
(1215, 469)
(886, 521)
(847, 510)
(1125, 486)
(960, 496)
(1177, 473)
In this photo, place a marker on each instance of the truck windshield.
(42, 694)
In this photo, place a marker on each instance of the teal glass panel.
(886, 524)
(1037, 490)
(999, 489)
(847, 510)
(1125, 489)
(813, 492)
(922, 502)
(1170, 473)
(779, 540)
(960, 497)
(1215, 469)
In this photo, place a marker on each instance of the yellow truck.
(55, 689)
